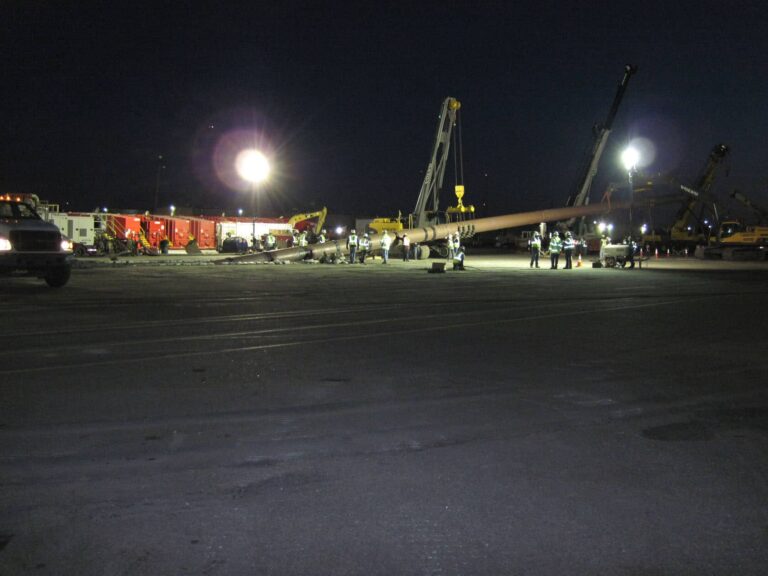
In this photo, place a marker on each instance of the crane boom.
(699, 194)
(759, 210)
(601, 133)
(429, 195)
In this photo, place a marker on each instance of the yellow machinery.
(320, 215)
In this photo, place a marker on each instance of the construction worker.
(583, 247)
(631, 249)
(386, 242)
(604, 241)
(456, 244)
(535, 245)
(406, 247)
(270, 241)
(322, 237)
(568, 246)
(364, 246)
(449, 246)
(555, 246)
(303, 239)
(352, 245)
(458, 259)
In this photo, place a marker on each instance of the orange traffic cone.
(578, 264)
(657, 252)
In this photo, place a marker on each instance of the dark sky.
(345, 96)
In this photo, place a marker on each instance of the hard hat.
(366, 234)
(556, 233)
(568, 234)
(353, 231)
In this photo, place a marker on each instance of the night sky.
(345, 97)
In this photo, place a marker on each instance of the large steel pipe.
(437, 232)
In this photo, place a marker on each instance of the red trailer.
(204, 231)
(178, 231)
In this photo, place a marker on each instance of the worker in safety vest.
(555, 246)
(568, 246)
(303, 239)
(458, 259)
(270, 241)
(386, 242)
(364, 246)
(322, 237)
(406, 247)
(535, 245)
(352, 245)
(456, 244)
(449, 246)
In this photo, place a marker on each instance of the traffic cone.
(657, 253)
(578, 264)
(686, 252)
(667, 252)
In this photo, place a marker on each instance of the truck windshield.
(17, 211)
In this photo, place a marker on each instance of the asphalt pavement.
(335, 419)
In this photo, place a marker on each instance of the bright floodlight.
(252, 166)
(630, 157)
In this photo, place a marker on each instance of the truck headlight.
(66, 245)
(5, 244)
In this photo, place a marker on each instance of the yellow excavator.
(320, 215)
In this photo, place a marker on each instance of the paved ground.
(309, 419)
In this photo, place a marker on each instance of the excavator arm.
(320, 215)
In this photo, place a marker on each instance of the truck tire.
(57, 277)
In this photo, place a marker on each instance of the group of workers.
(568, 245)
(360, 247)
(557, 245)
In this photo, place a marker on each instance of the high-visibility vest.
(536, 243)
(555, 245)
(270, 240)
(386, 241)
(321, 239)
(364, 243)
(568, 244)
(456, 241)
(352, 240)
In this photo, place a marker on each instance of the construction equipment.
(689, 228)
(437, 232)
(427, 207)
(296, 219)
(601, 133)
(762, 213)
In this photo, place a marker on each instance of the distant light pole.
(630, 157)
(253, 167)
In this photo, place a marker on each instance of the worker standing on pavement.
(406, 247)
(568, 246)
(449, 246)
(386, 242)
(365, 246)
(535, 245)
(555, 246)
(604, 241)
(271, 241)
(352, 245)
(631, 249)
(322, 237)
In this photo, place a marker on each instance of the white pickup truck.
(30, 245)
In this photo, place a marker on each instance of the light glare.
(252, 166)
